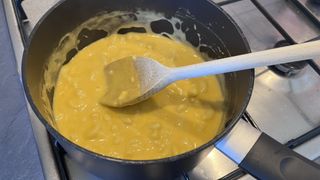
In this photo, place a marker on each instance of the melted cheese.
(183, 116)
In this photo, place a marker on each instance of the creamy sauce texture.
(183, 116)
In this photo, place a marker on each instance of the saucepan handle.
(263, 157)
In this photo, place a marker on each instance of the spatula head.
(133, 79)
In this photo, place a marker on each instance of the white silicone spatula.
(142, 77)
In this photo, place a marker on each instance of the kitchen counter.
(18, 152)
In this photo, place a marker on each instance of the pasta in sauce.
(183, 116)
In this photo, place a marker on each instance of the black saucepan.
(252, 150)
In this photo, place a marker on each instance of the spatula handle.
(281, 55)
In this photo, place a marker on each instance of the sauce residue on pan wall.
(183, 116)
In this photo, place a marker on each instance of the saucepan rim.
(95, 155)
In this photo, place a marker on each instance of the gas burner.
(288, 69)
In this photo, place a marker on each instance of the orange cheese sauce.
(183, 116)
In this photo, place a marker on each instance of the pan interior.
(182, 27)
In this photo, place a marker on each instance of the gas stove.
(285, 100)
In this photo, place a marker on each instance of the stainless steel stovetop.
(283, 107)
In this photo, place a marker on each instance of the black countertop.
(19, 158)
